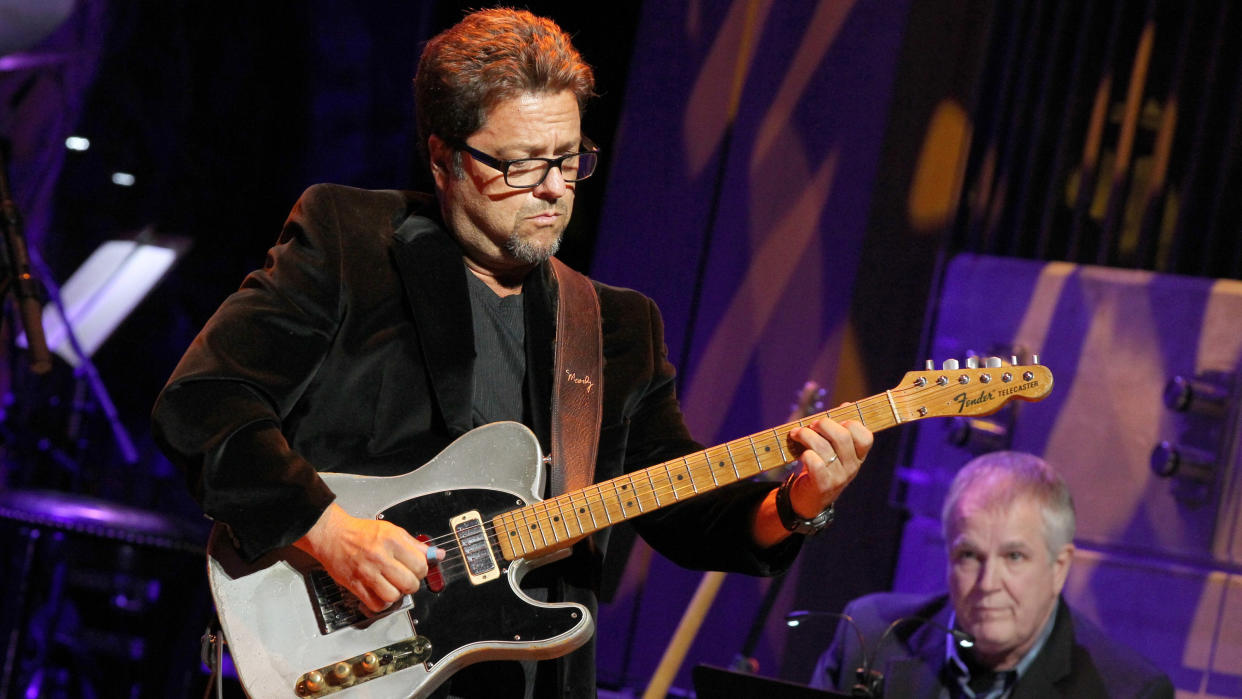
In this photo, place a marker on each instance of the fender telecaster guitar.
(293, 632)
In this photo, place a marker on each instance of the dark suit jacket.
(1078, 659)
(352, 350)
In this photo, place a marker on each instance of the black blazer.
(1078, 659)
(352, 350)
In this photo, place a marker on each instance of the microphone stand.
(86, 371)
(869, 682)
(16, 269)
(874, 679)
(15, 272)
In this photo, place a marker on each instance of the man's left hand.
(832, 454)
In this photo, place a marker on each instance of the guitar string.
(452, 567)
(876, 408)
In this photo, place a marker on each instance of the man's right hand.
(376, 560)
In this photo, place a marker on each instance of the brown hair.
(486, 58)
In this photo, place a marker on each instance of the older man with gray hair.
(1003, 629)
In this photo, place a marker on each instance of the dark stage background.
(790, 181)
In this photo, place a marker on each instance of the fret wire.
(672, 485)
(733, 464)
(617, 495)
(626, 488)
(729, 453)
(573, 510)
(780, 444)
(522, 529)
(560, 515)
(599, 493)
(758, 461)
(690, 474)
(587, 506)
(711, 471)
(508, 517)
(638, 496)
(539, 528)
(654, 491)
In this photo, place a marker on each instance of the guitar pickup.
(475, 547)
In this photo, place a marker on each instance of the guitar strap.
(577, 391)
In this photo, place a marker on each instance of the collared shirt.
(991, 685)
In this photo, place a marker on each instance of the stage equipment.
(712, 682)
(1145, 429)
(24, 23)
(1207, 416)
(869, 680)
(83, 313)
(101, 599)
(16, 273)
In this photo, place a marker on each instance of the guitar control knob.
(370, 662)
(314, 682)
(341, 672)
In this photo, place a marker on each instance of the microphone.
(865, 685)
(869, 682)
(961, 638)
(26, 287)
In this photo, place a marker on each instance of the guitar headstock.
(981, 387)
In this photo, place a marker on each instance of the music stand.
(711, 682)
(97, 297)
(102, 292)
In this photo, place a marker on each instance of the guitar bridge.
(475, 548)
(337, 608)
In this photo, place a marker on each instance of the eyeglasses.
(525, 173)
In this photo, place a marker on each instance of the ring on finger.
(834, 458)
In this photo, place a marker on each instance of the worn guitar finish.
(293, 632)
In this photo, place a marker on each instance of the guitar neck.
(555, 523)
(559, 521)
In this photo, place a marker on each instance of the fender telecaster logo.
(584, 380)
(985, 396)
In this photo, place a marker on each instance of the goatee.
(532, 252)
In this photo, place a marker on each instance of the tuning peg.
(930, 365)
(993, 362)
(1034, 359)
(1013, 359)
(972, 362)
(950, 365)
